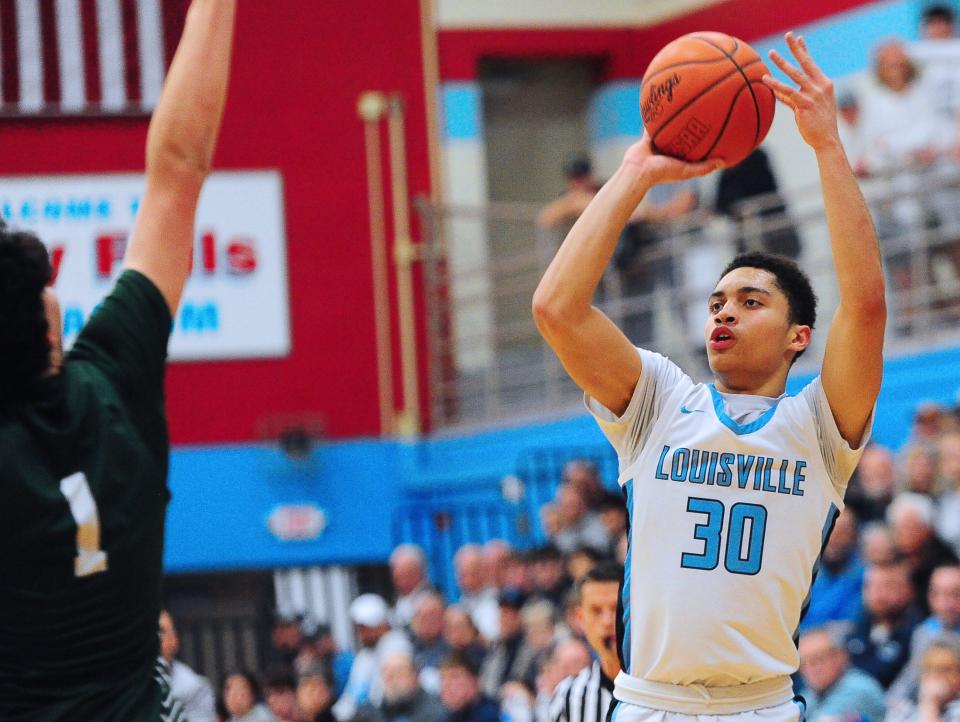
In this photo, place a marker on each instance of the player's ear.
(801, 337)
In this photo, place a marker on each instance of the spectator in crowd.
(938, 53)
(517, 702)
(511, 657)
(320, 646)
(835, 595)
(851, 130)
(280, 686)
(579, 527)
(287, 638)
(241, 696)
(371, 619)
(872, 487)
(550, 579)
(496, 552)
(920, 470)
(592, 687)
(879, 643)
(748, 194)
(539, 619)
(833, 689)
(478, 599)
(518, 572)
(582, 560)
(899, 127)
(429, 646)
(944, 601)
(613, 513)
(314, 695)
(403, 698)
(408, 570)
(461, 634)
(569, 658)
(580, 190)
(947, 521)
(194, 692)
(929, 424)
(876, 545)
(644, 253)
(911, 517)
(584, 476)
(939, 695)
(460, 693)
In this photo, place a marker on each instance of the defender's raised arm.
(853, 360)
(596, 354)
(180, 145)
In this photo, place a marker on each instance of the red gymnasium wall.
(627, 51)
(298, 70)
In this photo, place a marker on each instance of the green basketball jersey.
(83, 496)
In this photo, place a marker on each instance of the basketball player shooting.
(732, 487)
(83, 437)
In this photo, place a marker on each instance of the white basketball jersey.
(727, 523)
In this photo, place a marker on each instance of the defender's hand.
(813, 103)
(656, 169)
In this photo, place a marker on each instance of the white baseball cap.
(369, 610)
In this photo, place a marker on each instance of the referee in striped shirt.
(588, 697)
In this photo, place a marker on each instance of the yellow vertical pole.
(371, 107)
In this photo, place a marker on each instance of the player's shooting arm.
(180, 145)
(596, 354)
(853, 359)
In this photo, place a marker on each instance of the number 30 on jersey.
(743, 550)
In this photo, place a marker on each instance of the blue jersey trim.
(824, 538)
(625, 591)
(739, 429)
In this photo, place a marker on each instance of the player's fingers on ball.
(791, 72)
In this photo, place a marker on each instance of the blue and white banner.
(236, 302)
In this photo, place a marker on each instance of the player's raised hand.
(657, 168)
(812, 102)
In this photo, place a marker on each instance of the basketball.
(702, 98)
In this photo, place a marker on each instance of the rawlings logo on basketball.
(661, 92)
(688, 138)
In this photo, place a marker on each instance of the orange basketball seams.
(702, 97)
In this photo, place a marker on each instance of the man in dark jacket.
(460, 693)
(879, 643)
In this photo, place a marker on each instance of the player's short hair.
(279, 677)
(938, 11)
(795, 284)
(24, 349)
(603, 572)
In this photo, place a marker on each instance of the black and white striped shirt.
(584, 698)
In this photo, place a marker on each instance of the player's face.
(748, 332)
(598, 616)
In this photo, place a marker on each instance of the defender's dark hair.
(24, 349)
(938, 11)
(795, 284)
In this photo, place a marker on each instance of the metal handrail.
(488, 362)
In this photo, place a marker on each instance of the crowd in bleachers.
(880, 639)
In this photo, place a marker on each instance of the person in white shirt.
(194, 691)
(731, 487)
(371, 619)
